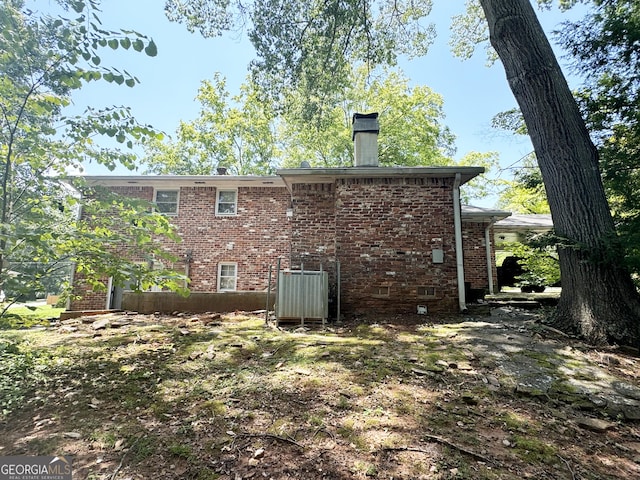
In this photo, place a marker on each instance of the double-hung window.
(227, 277)
(226, 202)
(167, 201)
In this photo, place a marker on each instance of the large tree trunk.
(598, 300)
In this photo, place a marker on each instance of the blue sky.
(472, 92)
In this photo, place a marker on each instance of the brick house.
(390, 238)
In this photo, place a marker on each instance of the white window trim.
(220, 190)
(235, 278)
(155, 196)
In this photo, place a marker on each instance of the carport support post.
(490, 258)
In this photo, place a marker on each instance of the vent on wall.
(380, 291)
(426, 292)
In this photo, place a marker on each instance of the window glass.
(167, 201)
(226, 204)
(227, 277)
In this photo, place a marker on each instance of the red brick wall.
(84, 297)
(253, 239)
(313, 225)
(383, 232)
(475, 255)
(387, 231)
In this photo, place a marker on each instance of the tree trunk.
(598, 300)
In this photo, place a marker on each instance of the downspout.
(72, 276)
(457, 224)
(487, 242)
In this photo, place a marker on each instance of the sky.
(472, 92)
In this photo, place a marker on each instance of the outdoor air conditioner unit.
(302, 295)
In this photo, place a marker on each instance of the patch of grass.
(22, 367)
(27, 317)
(513, 422)
(315, 419)
(44, 446)
(214, 408)
(104, 438)
(353, 391)
(180, 450)
(535, 450)
(343, 403)
(143, 448)
(207, 474)
(348, 432)
(365, 468)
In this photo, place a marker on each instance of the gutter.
(457, 224)
(487, 242)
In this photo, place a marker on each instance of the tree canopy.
(43, 59)
(607, 54)
(236, 133)
(247, 135)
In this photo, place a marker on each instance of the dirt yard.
(227, 397)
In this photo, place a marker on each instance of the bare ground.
(208, 397)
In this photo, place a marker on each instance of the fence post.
(266, 314)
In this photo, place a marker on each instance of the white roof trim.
(176, 181)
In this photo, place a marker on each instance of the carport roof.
(515, 227)
(472, 213)
(521, 222)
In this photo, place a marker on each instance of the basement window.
(227, 277)
(226, 202)
(426, 292)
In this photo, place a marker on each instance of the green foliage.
(29, 316)
(232, 132)
(326, 141)
(525, 193)
(606, 51)
(44, 59)
(180, 450)
(538, 258)
(310, 45)
(21, 368)
(117, 237)
(247, 135)
(469, 29)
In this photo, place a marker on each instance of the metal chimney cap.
(365, 122)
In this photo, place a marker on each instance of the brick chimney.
(365, 139)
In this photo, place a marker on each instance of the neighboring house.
(390, 238)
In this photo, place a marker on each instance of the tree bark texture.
(598, 300)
